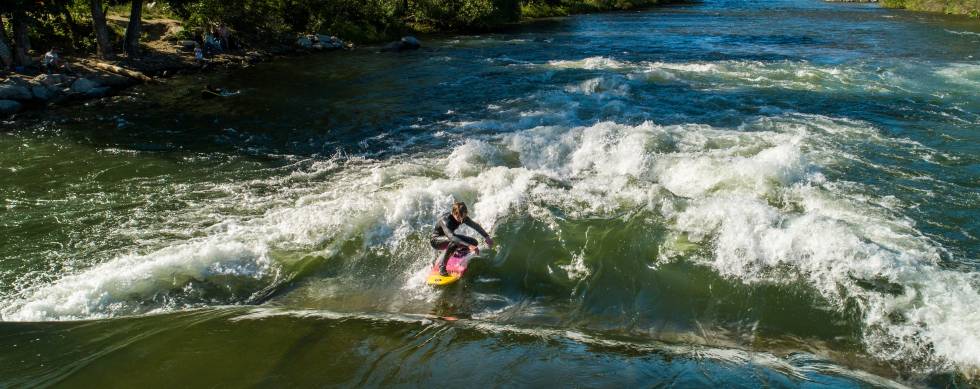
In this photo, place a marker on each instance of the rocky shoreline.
(91, 78)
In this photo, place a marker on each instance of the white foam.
(830, 237)
(965, 74)
(576, 269)
(104, 290)
(611, 86)
(754, 193)
(729, 74)
(963, 32)
(591, 63)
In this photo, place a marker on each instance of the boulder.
(304, 42)
(15, 89)
(330, 42)
(9, 107)
(85, 86)
(406, 43)
(411, 42)
(43, 92)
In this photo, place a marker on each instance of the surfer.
(445, 238)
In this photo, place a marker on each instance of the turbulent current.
(727, 193)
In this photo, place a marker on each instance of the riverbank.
(89, 78)
(167, 51)
(969, 8)
(544, 9)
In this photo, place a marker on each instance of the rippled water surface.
(729, 193)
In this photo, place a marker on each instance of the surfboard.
(455, 266)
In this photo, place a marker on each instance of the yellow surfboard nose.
(436, 279)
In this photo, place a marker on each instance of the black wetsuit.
(445, 238)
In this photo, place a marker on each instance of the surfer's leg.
(443, 243)
(470, 241)
(439, 243)
(445, 257)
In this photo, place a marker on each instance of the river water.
(734, 193)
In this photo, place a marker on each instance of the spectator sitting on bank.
(225, 36)
(52, 61)
(199, 57)
(211, 44)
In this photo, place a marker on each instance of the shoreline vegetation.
(970, 8)
(103, 51)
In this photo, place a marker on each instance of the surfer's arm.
(449, 233)
(479, 230)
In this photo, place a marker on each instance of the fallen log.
(118, 70)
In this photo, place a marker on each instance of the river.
(728, 193)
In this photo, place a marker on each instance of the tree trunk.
(23, 43)
(73, 27)
(101, 32)
(133, 30)
(6, 56)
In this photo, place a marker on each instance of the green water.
(724, 194)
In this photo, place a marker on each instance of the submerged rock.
(406, 43)
(9, 107)
(411, 42)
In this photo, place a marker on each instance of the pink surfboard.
(455, 266)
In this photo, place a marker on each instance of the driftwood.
(118, 70)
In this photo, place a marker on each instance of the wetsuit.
(445, 238)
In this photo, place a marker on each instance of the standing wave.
(754, 201)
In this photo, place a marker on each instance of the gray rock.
(43, 92)
(406, 43)
(304, 42)
(330, 42)
(9, 107)
(14, 90)
(411, 42)
(83, 86)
